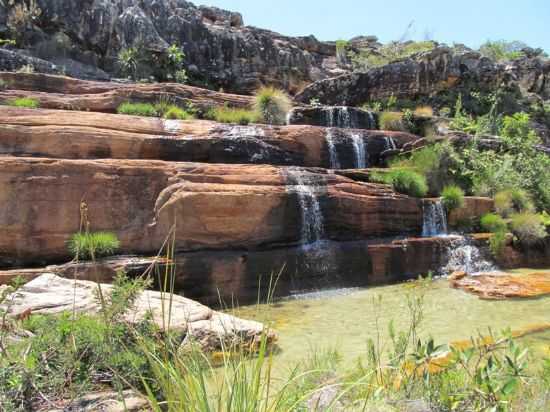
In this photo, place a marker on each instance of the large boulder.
(196, 323)
(213, 206)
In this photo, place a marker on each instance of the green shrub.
(452, 197)
(93, 245)
(405, 181)
(392, 121)
(25, 102)
(230, 115)
(138, 109)
(497, 243)
(513, 201)
(502, 50)
(128, 62)
(272, 105)
(528, 227)
(177, 113)
(493, 223)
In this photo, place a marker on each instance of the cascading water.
(390, 143)
(360, 150)
(302, 184)
(333, 154)
(338, 117)
(466, 257)
(434, 219)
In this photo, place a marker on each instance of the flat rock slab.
(51, 294)
(497, 285)
(127, 401)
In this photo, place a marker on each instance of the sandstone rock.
(59, 92)
(214, 206)
(11, 60)
(220, 49)
(50, 294)
(83, 135)
(503, 286)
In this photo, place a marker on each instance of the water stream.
(434, 219)
(344, 319)
(302, 183)
(360, 150)
(464, 256)
(333, 154)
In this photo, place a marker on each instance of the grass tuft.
(25, 102)
(137, 109)
(93, 245)
(272, 105)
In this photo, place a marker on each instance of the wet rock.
(50, 294)
(82, 135)
(217, 206)
(327, 116)
(496, 285)
(11, 60)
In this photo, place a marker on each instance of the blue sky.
(463, 21)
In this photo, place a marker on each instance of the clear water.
(344, 319)
(333, 154)
(434, 219)
(360, 151)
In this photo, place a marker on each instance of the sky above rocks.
(471, 22)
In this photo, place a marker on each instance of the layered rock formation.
(213, 206)
(430, 74)
(219, 49)
(84, 135)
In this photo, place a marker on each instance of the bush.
(392, 121)
(502, 50)
(497, 243)
(493, 223)
(138, 109)
(177, 113)
(452, 197)
(528, 227)
(25, 102)
(513, 201)
(272, 105)
(93, 245)
(406, 181)
(229, 115)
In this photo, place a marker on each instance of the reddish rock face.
(88, 135)
(213, 206)
(59, 92)
(473, 209)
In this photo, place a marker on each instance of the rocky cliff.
(83, 39)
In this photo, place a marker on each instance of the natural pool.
(344, 319)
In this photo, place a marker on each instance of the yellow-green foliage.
(138, 109)
(93, 244)
(392, 121)
(528, 227)
(424, 111)
(493, 223)
(25, 102)
(513, 201)
(231, 115)
(272, 105)
(389, 53)
(452, 197)
(403, 181)
(177, 113)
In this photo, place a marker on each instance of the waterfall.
(360, 150)
(466, 257)
(372, 121)
(312, 218)
(390, 143)
(333, 154)
(434, 219)
(336, 116)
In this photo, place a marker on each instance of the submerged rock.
(211, 330)
(498, 285)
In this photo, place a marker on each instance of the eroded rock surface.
(497, 285)
(50, 294)
(219, 48)
(86, 135)
(213, 206)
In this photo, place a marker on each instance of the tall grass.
(272, 105)
(232, 115)
(90, 245)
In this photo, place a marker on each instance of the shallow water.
(344, 319)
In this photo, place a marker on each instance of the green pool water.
(345, 319)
